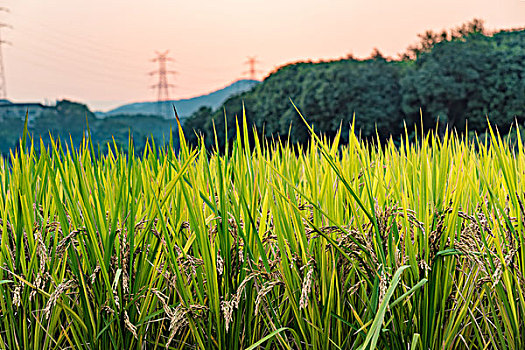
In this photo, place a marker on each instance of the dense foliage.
(417, 246)
(453, 78)
(69, 122)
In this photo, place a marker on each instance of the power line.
(62, 64)
(76, 53)
(68, 35)
(78, 73)
(162, 85)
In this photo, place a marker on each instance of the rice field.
(417, 246)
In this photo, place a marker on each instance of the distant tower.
(3, 88)
(252, 72)
(162, 87)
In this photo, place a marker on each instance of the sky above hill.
(100, 51)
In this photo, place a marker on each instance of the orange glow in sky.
(99, 51)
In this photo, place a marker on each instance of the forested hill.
(68, 122)
(456, 76)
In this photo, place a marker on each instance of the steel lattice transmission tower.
(162, 86)
(3, 88)
(252, 72)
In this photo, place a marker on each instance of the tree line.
(70, 122)
(456, 78)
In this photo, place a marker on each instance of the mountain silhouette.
(185, 107)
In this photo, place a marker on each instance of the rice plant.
(360, 246)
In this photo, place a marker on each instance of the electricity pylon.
(162, 86)
(252, 72)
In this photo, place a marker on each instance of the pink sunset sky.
(99, 51)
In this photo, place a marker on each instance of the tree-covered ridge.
(69, 122)
(451, 78)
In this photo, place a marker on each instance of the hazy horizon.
(99, 52)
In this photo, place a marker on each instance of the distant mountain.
(185, 107)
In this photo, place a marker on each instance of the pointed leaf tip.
(176, 114)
